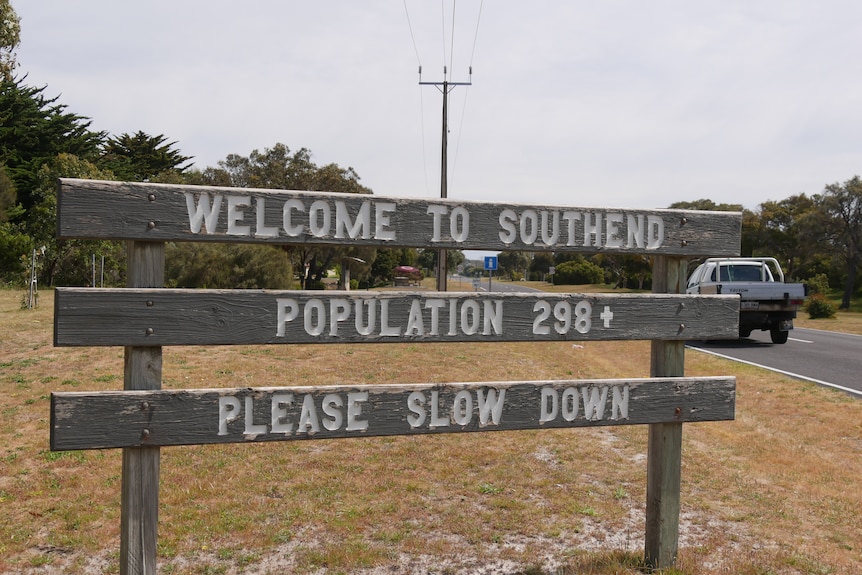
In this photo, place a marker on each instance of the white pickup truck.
(766, 302)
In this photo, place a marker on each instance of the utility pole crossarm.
(447, 86)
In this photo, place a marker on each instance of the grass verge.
(776, 491)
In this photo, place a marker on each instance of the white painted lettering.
(415, 403)
(636, 231)
(333, 413)
(236, 215)
(360, 228)
(462, 408)
(436, 419)
(319, 219)
(385, 328)
(339, 311)
(490, 406)
(459, 410)
(308, 420)
(550, 229)
(570, 403)
(614, 237)
(314, 317)
(331, 406)
(365, 326)
(593, 229)
(620, 402)
(438, 212)
(549, 407)
(415, 325)
(435, 305)
(453, 318)
(567, 405)
(202, 212)
(529, 227)
(262, 230)
(278, 411)
(288, 309)
(459, 224)
(382, 211)
(509, 232)
(252, 428)
(493, 317)
(594, 402)
(408, 317)
(571, 218)
(354, 411)
(286, 219)
(228, 411)
(470, 316)
(655, 231)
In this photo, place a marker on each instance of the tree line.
(816, 238)
(40, 141)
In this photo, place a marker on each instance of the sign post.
(144, 317)
(491, 266)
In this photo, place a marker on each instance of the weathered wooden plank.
(107, 317)
(109, 419)
(664, 444)
(161, 212)
(139, 512)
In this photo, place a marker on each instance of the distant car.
(766, 302)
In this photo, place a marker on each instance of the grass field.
(777, 491)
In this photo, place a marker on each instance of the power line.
(460, 131)
(452, 37)
(443, 32)
(422, 134)
(421, 100)
(476, 34)
(412, 37)
(445, 86)
(466, 92)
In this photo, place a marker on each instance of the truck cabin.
(737, 272)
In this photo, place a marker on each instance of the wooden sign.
(164, 317)
(142, 418)
(162, 212)
(110, 419)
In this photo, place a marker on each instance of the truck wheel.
(778, 336)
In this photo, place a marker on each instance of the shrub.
(578, 273)
(819, 307)
(819, 284)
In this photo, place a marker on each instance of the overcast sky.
(625, 103)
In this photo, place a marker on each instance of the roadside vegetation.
(777, 491)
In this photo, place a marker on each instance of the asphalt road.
(467, 284)
(824, 357)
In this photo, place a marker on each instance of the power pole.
(445, 87)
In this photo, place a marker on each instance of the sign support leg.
(139, 515)
(664, 451)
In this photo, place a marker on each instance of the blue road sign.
(491, 263)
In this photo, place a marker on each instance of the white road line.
(830, 332)
(782, 372)
(800, 340)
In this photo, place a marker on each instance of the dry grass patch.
(776, 491)
(844, 321)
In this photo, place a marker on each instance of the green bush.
(578, 273)
(819, 284)
(819, 307)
